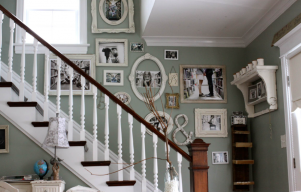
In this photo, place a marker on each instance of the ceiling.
(209, 23)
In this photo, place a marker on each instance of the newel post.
(199, 166)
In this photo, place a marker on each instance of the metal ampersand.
(181, 128)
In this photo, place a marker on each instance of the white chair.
(5, 187)
(82, 189)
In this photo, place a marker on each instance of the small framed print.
(171, 54)
(220, 157)
(172, 100)
(136, 47)
(261, 90)
(238, 120)
(252, 93)
(124, 97)
(113, 77)
(4, 139)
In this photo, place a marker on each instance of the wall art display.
(172, 100)
(124, 97)
(261, 92)
(203, 84)
(171, 54)
(136, 47)
(4, 139)
(148, 79)
(112, 52)
(211, 123)
(113, 77)
(159, 79)
(173, 77)
(252, 93)
(113, 12)
(85, 62)
(181, 128)
(220, 157)
(152, 119)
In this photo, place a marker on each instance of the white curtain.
(295, 81)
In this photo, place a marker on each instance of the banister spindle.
(132, 171)
(179, 156)
(106, 152)
(46, 85)
(58, 86)
(95, 141)
(11, 51)
(155, 141)
(34, 71)
(167, 164)
(120, 161)
(1, 21)
(22, 82)
(143, 166)
(83, 111)
(70, 123)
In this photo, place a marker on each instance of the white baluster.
(143, 182)
(22, 82)
(46, 85)
(120, 161)
(155, 141)
(34, 71)
(1, 21)
(132, 171)
(58, 85)
(83, 111)
(70, 123)
(167, 164)
(11, 50)
(95, 141)
(107, 152)
(180, 172)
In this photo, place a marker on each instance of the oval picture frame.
(124, 15)
(161, 113)
(147, 56)
(124, 93)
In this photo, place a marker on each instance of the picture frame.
(124, 97)
(171, 54)
(213, 84)
(128, 7)
(261, 91)
(4, 139)
(151, 118)
(172, 100)
(86, 62)
(252, 93)
(111, 52)
(220, 157)
(113, 77)
(211, 123)
(136, 47)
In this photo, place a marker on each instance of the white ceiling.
(217, 23)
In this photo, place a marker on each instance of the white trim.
(63, 48)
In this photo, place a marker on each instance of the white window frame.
(81, 48)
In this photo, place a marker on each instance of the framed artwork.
(112, 52)
(136, 47)
(85, 62)
(152, 119)
(148, 79)
(4, 139)
(220, 157)
(252, 93)
(171, 54)
(124, 97)
(261, 92)
(211, 123)
(113, 77)
(203, 84)
(172, 100)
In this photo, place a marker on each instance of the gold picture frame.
(172, 104)
(4, 139)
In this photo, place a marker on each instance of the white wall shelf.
(268, 76)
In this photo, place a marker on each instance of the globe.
(41, 168)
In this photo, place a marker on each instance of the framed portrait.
(124, 97)
(113, 77)
(112, 52)
(151, 79)
(261, 92)
(220, 157)
(152, 119)
(136, 47)
(172, 100)
(211, 123)
(203, 84)
(85, 62)
(4, 139)
(171, 54)
(252, 93)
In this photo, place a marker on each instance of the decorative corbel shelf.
(268, 75)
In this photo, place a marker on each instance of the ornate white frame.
(198, 123)
(6, 128)
(113, 71)
(130, 14)
(124, 93)
(125, 13)
(161, 113)
(148, 56)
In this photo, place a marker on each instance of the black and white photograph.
(152, 119)
(113, 77)
(124, 97)
(261, 90)
(171, 54)
(172, 100)
(220, 157)
(211, 122)
(203, 84)
(113, 10)
(4, 139)
(252, 93)
(148, 79)
(137, 47)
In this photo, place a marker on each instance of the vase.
(171, 180)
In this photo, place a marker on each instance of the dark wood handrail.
(94, 82)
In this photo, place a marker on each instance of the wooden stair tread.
(120, 183)
(244, 183)
(242, 162)
(6, 84)
(241, 132)
(238, 125)
(40, 124)
(22, 104)
(77, 143)
(95, 163)
(243, 144)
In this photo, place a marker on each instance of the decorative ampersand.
(181, 128)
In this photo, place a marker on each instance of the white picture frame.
(128, 14)
(124, 97)
(220, 157)
(116, 73)
(4, 139)
(171, 54)
(105, 50)
(138, 46)
(76, 77)
(151, 116)
(211, 123)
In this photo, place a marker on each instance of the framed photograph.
(171, 54)
(152, 119)
(252, 93)
(220, 157)
(124, 97)
(261, 92)
(85, 62)
(4, 139)
(113, 10)
(148, 79)
(113, 77)
(112, 52)
(203, 84)
(211, 123)
(172, 100)
(136, 47)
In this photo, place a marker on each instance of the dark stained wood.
(6, 84)
(94, 82)
(77, 143)
(95, 163)
(242, 132)
(22, 104)
(198, 166)
(120, 183)
(40, 124)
